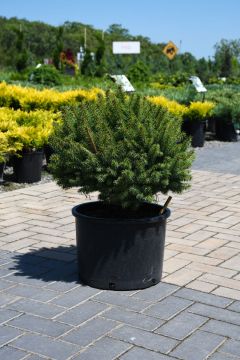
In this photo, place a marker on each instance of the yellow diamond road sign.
(170, 50)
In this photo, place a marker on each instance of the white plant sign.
(126, 47)
(123, 82)
(197, 84)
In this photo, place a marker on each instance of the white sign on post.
(123, 82)
(126, 47)
(197, 84)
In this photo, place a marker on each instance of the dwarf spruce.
(124, 147)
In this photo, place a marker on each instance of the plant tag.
(197, 84)
(123, 82)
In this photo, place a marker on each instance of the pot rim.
(153, 219)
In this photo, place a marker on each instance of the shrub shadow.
(46, 264)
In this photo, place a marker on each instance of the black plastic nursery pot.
(48, 151)
(225, 130)
(2, 165)
(28, 167)
(195, 129)
(119, 253)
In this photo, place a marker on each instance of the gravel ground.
(216, 156)
(10, 185)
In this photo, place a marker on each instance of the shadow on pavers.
(46, 264)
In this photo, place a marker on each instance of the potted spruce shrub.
(128, 150)
(194, 121)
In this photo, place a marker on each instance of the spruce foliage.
(124, 147)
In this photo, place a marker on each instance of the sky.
(196, 25)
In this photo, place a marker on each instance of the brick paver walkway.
(193, 314)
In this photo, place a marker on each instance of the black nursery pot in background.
(27, 169)
(48, 151)
(225, 130)
(117, 253)
(2, 165)
(195, 129)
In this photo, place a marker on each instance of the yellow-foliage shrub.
(28, 99)
(199, 110)
(195, 111)
(172, 106)
(20, 130)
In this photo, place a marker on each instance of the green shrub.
(45, 75)
(126, 148)
(139, 72)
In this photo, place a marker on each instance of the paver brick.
(231, 347)
(7, 334)
(203, 298)
(222, 356)
(5, 273)
(174, 264)
(233, 263)
(14, 228)
(39, 325)
(9, 353)
(132, 318)
(157, 292)
(216, 313)
(201, 235)
(34, 357)
(181, 325)
(105, 348)
(144, 339)
(188, 249)
(169, 253)
(222, 281)
(42, 345)
(223, 231)
(190, 228)
(41, 223)
(140, 353)
(168, 307)
(182, 277)
(198, 346)
(17, 236)
(81, 313)
(199, 259)
(62, 286)
(222, 328)
(212, 243)
(75, 296)
(201, 286)
(113, 298)
(235, 306)
(34, 293)
(90, 331)
(7, 299)
(222, 291)
(4, 285)
(50, 238)
(33, 307)
(224, 253)
(6, 315)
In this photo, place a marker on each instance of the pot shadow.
(46, 264)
